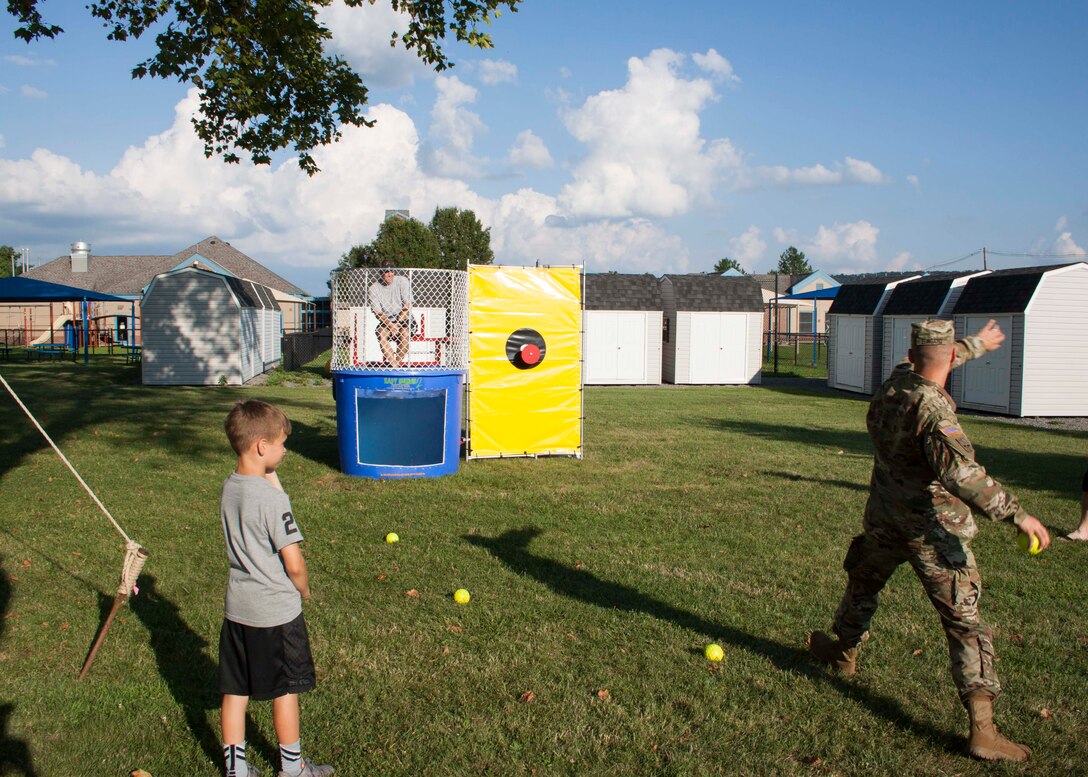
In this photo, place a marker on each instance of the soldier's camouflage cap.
(932, 332)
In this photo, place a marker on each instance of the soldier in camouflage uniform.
(924, 485)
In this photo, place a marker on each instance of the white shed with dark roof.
(713, 329)
(933, 296)
(622, 329)
(1042, 367)
(202, 328)
(855, 335)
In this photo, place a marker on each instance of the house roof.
(858, 299)
(715, 293)
(785, 282)
(1002, 291)
(129, 275)
(616, 291)
(851, 279)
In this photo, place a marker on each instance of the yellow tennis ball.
(714, 652)
(1029, 543)
(461, 596)
(392, 537)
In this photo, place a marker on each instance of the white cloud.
(1063, 222)
(453, 130)
(1064, 245)
(361, 36)
(717, 65)
(529, 151)
(498, 71)
(23, 61)
(644, 153)
(900, 261)
(33, 92)
(840, 247)
(748, 247)
(913, 181)
(1, 141)
(565, 72)
(848, 171)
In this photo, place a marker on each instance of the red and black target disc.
(525, 349)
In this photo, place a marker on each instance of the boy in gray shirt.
(264, 650)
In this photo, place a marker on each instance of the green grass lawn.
(699, 514)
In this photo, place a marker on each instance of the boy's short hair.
(251, 420)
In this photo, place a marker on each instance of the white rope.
(64, 458)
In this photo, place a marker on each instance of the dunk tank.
(399, 408)
(513, 333)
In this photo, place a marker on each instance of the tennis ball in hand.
(714, 652)
(1029, 543)
(392, 537)
(461, 596)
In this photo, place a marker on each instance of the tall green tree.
(406, 243)
(725, 264)
(260, 67)
(9, 257)
(793, 262)
(462, 239)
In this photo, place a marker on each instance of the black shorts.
(1084, 483)
(265, 663)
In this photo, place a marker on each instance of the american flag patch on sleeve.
(951, 430)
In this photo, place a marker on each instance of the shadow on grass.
(315, 444)
(851, 441)
(14, 753)
(847, 484)
(190, 674)
(511, 548)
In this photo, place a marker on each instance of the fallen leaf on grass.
(382, 576)
(527, 697)
(446, 651)
(840, 452)
(139, 773)
(455, 629)
(603, 694)
(26, 563)
(412, 593)
(1045, 713)
(917, 652)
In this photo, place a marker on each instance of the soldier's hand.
(1033, 527)
(991, 335)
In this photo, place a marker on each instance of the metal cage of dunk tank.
(399, 358)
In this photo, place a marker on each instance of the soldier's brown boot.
(985, 741)
(831, 652)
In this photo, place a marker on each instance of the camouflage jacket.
(924, 469)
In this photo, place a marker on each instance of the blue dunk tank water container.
(400, 356)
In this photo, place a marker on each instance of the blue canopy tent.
(815, 296)
(21, 289)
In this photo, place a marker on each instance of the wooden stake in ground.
(135, 556)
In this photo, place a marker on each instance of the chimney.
(81, 257)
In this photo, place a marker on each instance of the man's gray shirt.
(391, 299)
(257, 525)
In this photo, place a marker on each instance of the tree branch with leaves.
(264, 80)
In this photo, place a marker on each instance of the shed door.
(850, 352)
(900, 343)
(986, 379)
(615, 346)
(718, 352)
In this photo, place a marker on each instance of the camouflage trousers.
(946, 566)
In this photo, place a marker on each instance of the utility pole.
(774, 327)
(984, 258)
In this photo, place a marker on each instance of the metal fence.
(301, 348)
(416, 319)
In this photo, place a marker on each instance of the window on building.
(805, 320)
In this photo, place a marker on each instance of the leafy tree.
(405, 242)
(793, 262)
(7, 256)
(260, 67)
(462, 239)
(725, 264)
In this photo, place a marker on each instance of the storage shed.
(712, 329)
(855, 335)
(933, 296)
(202, 328)
(1042, 367)
(622, 317)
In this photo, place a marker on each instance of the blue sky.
(639, 137)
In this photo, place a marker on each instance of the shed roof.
(248, 293)
(858, 299)
(615, 291)
(921, 297)
(1002, 291)
(715, 293)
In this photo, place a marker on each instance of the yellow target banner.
(525, 361)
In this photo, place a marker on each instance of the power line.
(954, 261)
(1081, 255)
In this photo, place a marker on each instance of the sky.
(626, 136)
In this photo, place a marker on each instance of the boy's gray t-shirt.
(257, 524)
